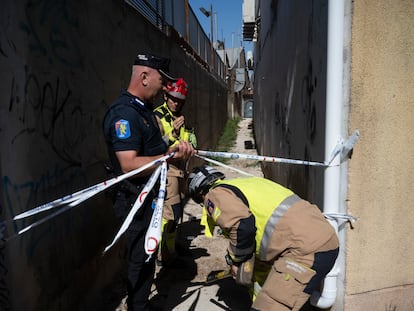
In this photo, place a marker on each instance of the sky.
(227, 23)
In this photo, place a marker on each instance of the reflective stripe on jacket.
(267, 201)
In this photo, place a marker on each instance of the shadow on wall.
(60, 77)
(4, 291)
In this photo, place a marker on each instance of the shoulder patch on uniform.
(217, 213)
(122, 129)
(210, 207)
(213, 210)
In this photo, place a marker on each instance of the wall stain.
(45, 25)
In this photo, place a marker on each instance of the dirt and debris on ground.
(181, 285)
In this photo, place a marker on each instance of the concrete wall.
(380, 269)
(289, 91)
(289, 113)
(62, 63)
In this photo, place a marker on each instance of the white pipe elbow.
(327, 298)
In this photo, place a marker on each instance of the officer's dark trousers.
(140, 272)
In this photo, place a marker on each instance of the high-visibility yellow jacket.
(167, 119)
(249, 229)
(264, 218)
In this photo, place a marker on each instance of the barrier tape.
(80, 196)
(74, 203)
(154, 232)
(234, 156)
(85, 194)
(223, 165)
(76, 198)
(137, 205)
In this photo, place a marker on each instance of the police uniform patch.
(210, 207)
(122, 129)
(213, 211)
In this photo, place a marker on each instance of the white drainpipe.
(336, 11)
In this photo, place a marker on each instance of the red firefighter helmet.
(177, 89)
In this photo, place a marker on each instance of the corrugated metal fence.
(166, 13)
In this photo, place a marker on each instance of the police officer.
(281, 246)
(173, 128)
(133, 139)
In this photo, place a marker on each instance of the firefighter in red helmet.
(173, 129)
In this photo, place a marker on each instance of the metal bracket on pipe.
(345, 148)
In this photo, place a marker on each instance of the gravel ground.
(181, 285)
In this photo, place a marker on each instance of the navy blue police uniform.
(130, 125)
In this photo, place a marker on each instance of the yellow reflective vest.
(267, 201)
(167, 119)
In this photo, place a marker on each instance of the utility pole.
(210, 15)
(187, 30)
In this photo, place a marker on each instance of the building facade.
(327, 71)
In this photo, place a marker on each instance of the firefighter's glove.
(244, 275)
(245, 272)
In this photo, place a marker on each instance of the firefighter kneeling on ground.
(280, 245)
(173, 129)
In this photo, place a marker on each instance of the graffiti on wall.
(43, 109)
(4, 290)
(46, 23)
(42, 116)
(48, 110)
(19, 197)
(309, 83)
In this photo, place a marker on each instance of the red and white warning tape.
(76, 198)
(232, 155)
(137, 205)
(153, 235)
